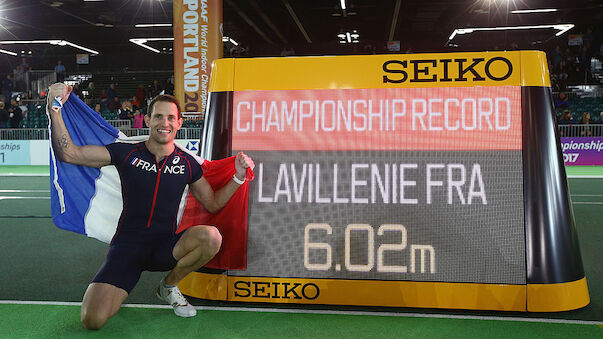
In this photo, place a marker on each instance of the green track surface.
(37, 321)
(39, 262)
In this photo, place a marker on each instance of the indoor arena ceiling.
(311, 26)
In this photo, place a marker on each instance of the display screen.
(419, 184)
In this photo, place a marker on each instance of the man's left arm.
(212, 201)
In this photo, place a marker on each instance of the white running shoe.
(174, 297)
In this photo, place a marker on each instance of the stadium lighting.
(349, 37)
(233, 42)
(525, 11)
(342, 4)
(152, 25)
(225, 39)
(51, 42)
(142, 42)
(8, 52)
(561, 27)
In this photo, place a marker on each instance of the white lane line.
(585, 176)
(13, 198)
(291, 310)
(24, 191)
(587, 195)
(24, 174)
(588, 203)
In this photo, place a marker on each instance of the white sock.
(163, 284)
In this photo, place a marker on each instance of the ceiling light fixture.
(152, 25)
(342, 2)
(525, 11)
(142, 42)
(349, 37)
(52, 42)
(8, 52)
(459, 31)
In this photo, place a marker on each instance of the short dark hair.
(164, 98)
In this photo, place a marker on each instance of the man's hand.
(59, 90)
(242, 162)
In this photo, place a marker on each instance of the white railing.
(42, 133)
(121, 124)
(196, 133)
(595, 130)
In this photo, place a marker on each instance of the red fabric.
(231, 220)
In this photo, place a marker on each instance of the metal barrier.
(24, 134)
(196, 133)
(581, 130)
(42, 133)
(121, 124)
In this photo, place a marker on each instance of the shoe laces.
(177, 296)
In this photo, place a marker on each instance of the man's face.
(163, 122)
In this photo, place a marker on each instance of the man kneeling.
(146, 238)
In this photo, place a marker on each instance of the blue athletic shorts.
(129, 256)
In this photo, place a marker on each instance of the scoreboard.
(425, 180)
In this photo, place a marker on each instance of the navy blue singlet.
(151, 190)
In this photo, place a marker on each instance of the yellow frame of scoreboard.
(555, 276)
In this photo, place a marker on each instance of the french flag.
(88, 200)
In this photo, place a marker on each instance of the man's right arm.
(64, 148)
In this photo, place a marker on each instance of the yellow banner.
(197, 42)
(357, 292)
(517, 68)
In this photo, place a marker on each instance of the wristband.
(57, 104)
(240, 182)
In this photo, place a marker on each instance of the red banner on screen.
(467, 118)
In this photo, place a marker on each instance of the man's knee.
(210, 238)
(93, 320)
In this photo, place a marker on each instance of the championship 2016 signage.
(397, 180)
(197, 42)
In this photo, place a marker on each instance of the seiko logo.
(147, 166)
(276, 290)
(446, 70)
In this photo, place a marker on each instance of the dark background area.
(265, 27)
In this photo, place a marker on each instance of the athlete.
(153, 177)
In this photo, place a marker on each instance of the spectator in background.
(557, 57)
(19, 77)
(138, 119)
(562, 100)
(169, 86)
(103, 96)
(600, 118)
(125, 112)
(585, 130)
(91, 90)
(60, 71)
(113, 105)
(3, 116)
(23, 106)
(15, 114)
(97, 109)
(140, 95)
(111, 93)
(25, 68)
(566, 118)
(155, 89)
(77, 91)
(7, 88)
